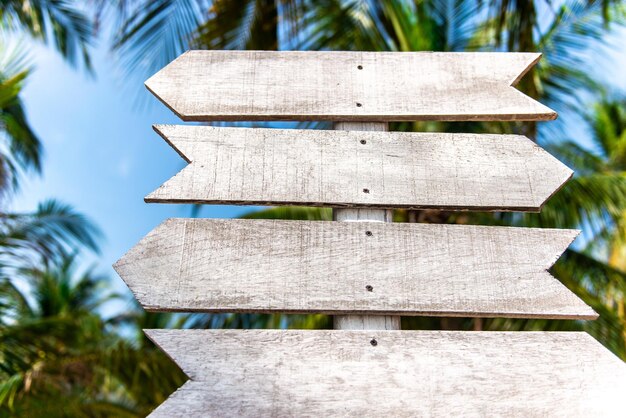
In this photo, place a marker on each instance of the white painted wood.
(237, 265)
(362, 169)
(356, 322)
(347, 86)
(276, 373)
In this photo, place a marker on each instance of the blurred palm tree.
(42, 309)
(56, 343)
(49, 341)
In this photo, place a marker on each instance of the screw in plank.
(360, 67)
(366, 191)
(374, 342)
(369, 288)
(368, 233)
(363, 142)
(358, 104)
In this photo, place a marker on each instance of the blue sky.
(102, 156)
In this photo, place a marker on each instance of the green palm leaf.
(54, 230)
(56, 22)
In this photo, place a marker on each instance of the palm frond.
(577, 157)
(574, 40)
(249, 24)
(53, 230)
(457, 22)
(56, 22)
(156, 32)
(343, 25)
(608, 123)
(23, 146)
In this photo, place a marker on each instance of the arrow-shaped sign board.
(343, 86)
(252, 373)
(350, 267)
(363, 169)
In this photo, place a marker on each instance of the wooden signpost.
(365, 270)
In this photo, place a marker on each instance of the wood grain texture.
(240, 265)
(360, 169)
(354, 322)
(275, 373)
(343, 86)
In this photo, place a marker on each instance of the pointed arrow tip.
(151, 260)
(154, 86)
(554, 184)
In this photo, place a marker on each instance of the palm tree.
(51, 341)
(50, 330)
(55, 343)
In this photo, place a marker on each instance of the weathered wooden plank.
(341, 86)
(240, 265)
(361, 169)
(263, 373)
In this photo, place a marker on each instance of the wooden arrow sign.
(254, 373)
(364, 169)
(360, 86)
(352, 267)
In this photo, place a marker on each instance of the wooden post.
(364, 322)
